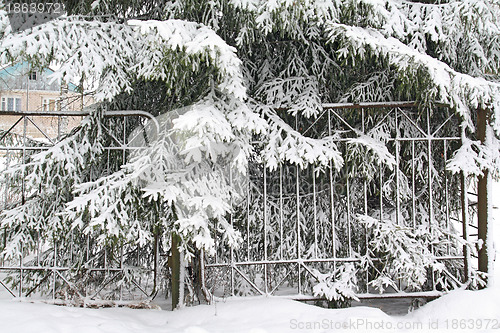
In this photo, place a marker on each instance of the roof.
(22, 68)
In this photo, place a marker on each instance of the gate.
(300, 224)
(52, 270)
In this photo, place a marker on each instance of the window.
(11, 104)
(51, 104)
(32, 75)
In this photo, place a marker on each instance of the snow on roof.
(21, 68)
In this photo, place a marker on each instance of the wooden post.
(175, 265)
(482, 198)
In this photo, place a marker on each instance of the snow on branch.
(460, 91)
(98, 50)
(193, 38)
(287, 13)
(4, 23)
(299, 94)
(473, 158)
(286, 144)
(47, 180)
(459, 32)
(111, 53)
(180, 180)
(377, 146)
(338, 286)
(403, 253)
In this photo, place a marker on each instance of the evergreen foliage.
(239, 83)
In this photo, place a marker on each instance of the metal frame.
(52, 274)
(257, 265)
(264, 268)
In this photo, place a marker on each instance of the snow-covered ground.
(475, 311)
(457, 311)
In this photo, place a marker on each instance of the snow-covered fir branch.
(87, 48)
(183, 174)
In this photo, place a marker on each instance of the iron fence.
(298, 223)
(295, 222)
(60, 269)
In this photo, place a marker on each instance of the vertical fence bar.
(349, 241)
(482, 196)
(381, 190)
(21, 275)
(23, 182)
(59, 119)
(38, 248)
(87, 261)
(332, 204)
(365, 203)
(121, 269)
(396, 169)
(232, 226)
(156, 260)
(124, 143)
(108, 165)
(54, 271)
(249, 183)
(465, 222)
(281, 211)
(429, 170)
(72, 240)
(216, 242)
(137, 258)
(106, 266)
(87, 252)
(265, 228)
(315, 215)
(297, 189)
(413, 203)
(446, 195)
(7, 181)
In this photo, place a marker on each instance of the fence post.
(465, 223)
(482, 197)
(175, 266)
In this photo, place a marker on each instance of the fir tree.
(261, 68)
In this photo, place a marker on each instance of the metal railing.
(53, 269)
(296, 222)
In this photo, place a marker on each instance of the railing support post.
(482, 197)
(465, 222)
(175, 265)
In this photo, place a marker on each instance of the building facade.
(23, 88)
